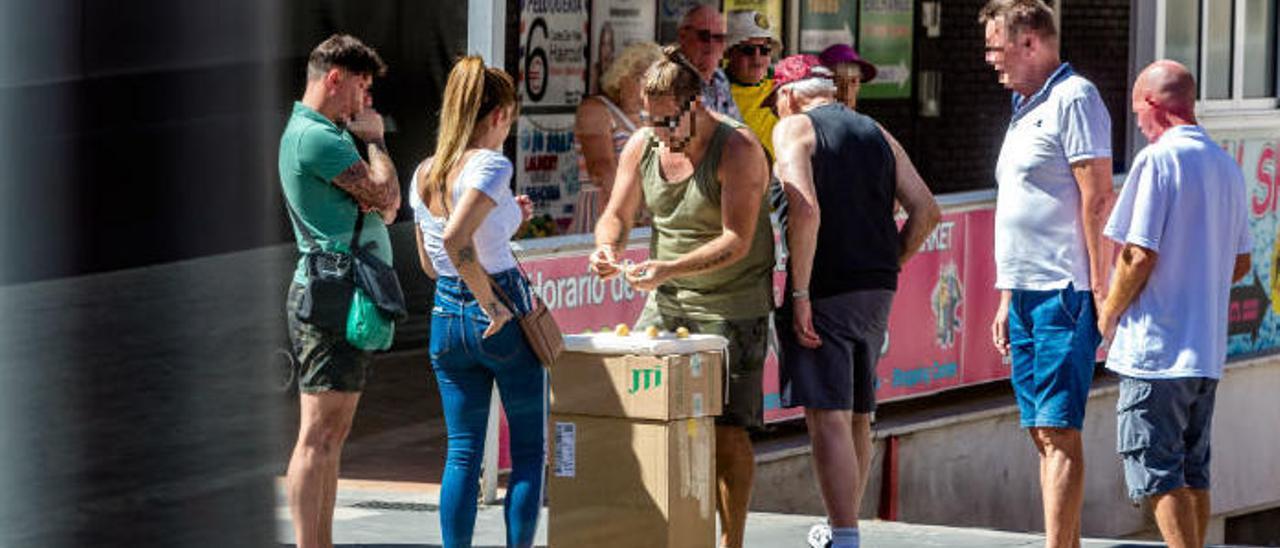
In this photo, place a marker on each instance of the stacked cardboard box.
(633, 446)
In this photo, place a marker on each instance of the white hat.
(743, 25)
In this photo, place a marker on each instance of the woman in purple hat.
(851, 72)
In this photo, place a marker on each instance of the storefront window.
(1182, 33)
(1260, 48)
(1216, 77)
(1230, 45)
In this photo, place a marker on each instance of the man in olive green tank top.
(703, 177)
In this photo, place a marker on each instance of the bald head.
(1164, 96)
(1169, 85)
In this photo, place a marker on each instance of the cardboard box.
(620, 483)
(638, 387)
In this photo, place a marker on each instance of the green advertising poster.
(826, 22)
(884, 39)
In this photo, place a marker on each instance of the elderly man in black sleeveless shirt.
(843, 175)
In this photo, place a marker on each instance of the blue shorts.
(1162, 433)
(1053, 336)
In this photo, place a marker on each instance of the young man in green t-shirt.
(327, 185)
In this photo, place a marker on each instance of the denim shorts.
(1053, 336)
(1162, 433)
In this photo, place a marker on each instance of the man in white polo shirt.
(1054, 177)
(1182, 218)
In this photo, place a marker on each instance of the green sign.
(826, 22)
(884, 40)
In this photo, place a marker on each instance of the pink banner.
(939, 328)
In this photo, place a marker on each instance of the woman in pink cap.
(851, 72)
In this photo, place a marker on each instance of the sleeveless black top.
(855, 178)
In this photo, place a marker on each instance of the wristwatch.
(800, 294)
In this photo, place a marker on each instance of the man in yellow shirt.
(751, 47)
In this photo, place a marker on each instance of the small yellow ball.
(651, 331)
(622, 330)
(682, 332)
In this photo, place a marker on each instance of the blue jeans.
(1053, 336)
(466, 366)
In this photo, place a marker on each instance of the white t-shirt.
(1039, 239)
(1185, 200)
(489, 172)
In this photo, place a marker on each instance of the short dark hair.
(346, 52)
(1020, 16)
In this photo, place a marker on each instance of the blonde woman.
(604, 123)
(466, 214)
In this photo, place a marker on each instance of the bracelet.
(800, 294)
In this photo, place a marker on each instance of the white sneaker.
(820, 536)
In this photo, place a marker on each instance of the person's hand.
(802, 323)
(603, 262)
(1107, 326)
(526, 207)
(367, 125)
(1000, 329)
(1099, 297)
(498, 315)
(648, 275)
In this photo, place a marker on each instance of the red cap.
(794, 69)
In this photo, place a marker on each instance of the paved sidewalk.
(403, 515)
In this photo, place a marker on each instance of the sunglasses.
(706, 36)
(755, 49)
(669, 122)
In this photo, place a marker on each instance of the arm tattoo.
(373, 195)
(466, 255)
(713, 261)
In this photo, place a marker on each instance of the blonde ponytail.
(472, 92)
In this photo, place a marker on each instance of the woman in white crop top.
(465, 215)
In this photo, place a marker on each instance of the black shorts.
(841, 373)
(326, 361)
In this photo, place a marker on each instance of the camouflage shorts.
(748, 346)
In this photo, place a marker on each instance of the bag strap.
(502, 296)
(530, 297)
(311, 240)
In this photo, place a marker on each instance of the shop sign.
(553, 52)
(826, 22)
(885, 40)
(1254, 315)
(547, 165)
